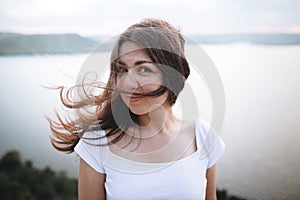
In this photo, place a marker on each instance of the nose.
(129, 81)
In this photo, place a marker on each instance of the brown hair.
(164, 45)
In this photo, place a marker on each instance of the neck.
(158, 121)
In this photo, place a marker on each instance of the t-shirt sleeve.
(88, 148)
(216, 152)
(211, 144)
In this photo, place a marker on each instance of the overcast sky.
(94, 17)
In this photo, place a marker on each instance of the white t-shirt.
(127, 179)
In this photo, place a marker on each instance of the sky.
(109, 17)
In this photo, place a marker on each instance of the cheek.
(150, 87)
(152, 83)
(124, 98)
(156, 102)
(119, 82)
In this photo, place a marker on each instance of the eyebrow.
(139, 62)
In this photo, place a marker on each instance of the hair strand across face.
(164, 45)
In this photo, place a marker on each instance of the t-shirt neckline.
(195, 128)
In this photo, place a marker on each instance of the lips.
(135, 98)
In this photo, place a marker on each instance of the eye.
(145, 69)
(121, 69)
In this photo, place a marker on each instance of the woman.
(133, 145)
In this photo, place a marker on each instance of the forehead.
(131, 52)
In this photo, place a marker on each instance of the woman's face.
(138, 74)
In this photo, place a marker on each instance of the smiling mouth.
(135, 98)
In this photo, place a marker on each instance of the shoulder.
(201, 127)
(93, 134)
(205, 128)
(209, 141)
(91, 148)
(91, 142)
(198, 126)
(94, 137)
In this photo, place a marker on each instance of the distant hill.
(18, 44)
(13, 43)
(263, 39)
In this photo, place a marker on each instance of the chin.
(138, 111)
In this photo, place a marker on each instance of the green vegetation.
(21, 180)
(223, 195)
